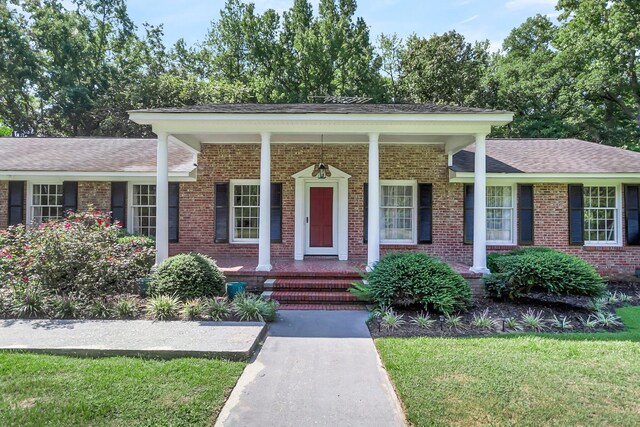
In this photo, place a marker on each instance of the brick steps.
(311, 292)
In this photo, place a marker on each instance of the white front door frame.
(303, 180)
(308, 249)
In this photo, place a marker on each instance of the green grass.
(40, 390)
(525, 380)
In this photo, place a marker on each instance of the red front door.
(321, 217)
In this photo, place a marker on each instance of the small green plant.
(607, 319)
(423, 320)
(589, 323)
(561, 322)
(533, 320)
(126, 307)
(217, 308)
(512, 324)
(248, 307)
(612, 298)
(28, 302)
(63, 306)
(483, 320)
(361, 291)
(598, 304)
(99, 309)
(163, 307)
(192, 309)
(624, 298)
(391, 320)
(453, 322)
(269, 310)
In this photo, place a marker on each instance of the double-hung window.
(500, 214)
(143, 207)
(601, 211)
(245, 211)
(398, 212)
(46, 202)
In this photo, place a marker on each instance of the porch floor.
(317, 266)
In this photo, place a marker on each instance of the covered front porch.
(268, 128)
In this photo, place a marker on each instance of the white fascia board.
(467, 177)
(93, 176)
(150, 118)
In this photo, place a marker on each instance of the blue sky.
(476, 19)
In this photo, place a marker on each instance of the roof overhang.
(568, 177)
(94, 176)
(454, 129)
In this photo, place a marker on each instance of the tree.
(526, 78)
(443, 69)
(599, 42)
(390, 50)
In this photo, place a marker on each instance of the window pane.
(396, 213)
(246, 211)
(600, 214)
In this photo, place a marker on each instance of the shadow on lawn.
(630, 317)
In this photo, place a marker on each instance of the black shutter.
(632, 213)
(276, 212)
(425, 212)
(365, 213)
(576, 214)
(174, 211)
(16, 202)
(222, 213)
(468, 213)
(119, 203)
(70, 196)
(525, 214)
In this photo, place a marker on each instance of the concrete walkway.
(232, 340)
(316, 368)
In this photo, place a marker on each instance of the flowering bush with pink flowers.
(81, 254)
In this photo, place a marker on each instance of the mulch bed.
(573, 308)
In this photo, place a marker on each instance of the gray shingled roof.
(549, 156)
(88, 155)
(321, 109)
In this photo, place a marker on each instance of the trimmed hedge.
(415, 278)
(541, 269)
(188, 276)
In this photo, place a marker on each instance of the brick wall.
(94, 193)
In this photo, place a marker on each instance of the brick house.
(287, 184)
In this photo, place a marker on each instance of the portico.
(325, 219)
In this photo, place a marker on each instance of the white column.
(480, 208)
(373, 236)
(162, 198)
(264, 236)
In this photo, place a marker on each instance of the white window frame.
(414, 217)
(131, 207)
(617, 217)
(30, 205)
(514, 215)
(232, 213)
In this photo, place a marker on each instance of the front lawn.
(56, 390)
(524, 380)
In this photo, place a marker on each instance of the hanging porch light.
(320, 170)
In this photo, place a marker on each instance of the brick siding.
(423, 163)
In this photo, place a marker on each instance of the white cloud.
(521, 4)
(466, 21)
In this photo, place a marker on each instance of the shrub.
(188, 276)
(269, 310)
(63, 306)
(28, 302)
(191, 309)
(163, 307)
(126, 307)
(99, 309)
(415, 278)
(539, 269)
(80, 254)
(137, 240)
(248, 307)
(217, 308)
